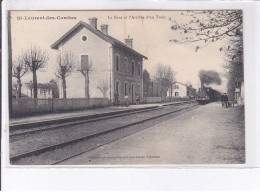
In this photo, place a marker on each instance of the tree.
(86, 70)
(146, 76)
(19, 69)
(234, 67)
(66, 64)
(103, 87)
(208, 26)
(30, 87)
(146, 82)
(165, 77)
(35, 59)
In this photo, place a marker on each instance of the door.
(133, 94)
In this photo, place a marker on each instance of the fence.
(28, 106)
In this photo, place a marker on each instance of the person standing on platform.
(222, 100)
(226, 100)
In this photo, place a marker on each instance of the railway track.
(56, 126)
(74, 141)
(28, 128)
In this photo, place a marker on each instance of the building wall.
(99, 55)
(124, 75)
(47, 94)
(180, 89)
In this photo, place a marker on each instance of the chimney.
(104, 29)
(93, 22)
(129, 42)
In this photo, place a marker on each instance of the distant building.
(115, 64)
(182, 90)
(48, 90)
(44, 90)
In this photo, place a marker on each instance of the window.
(117, 63)
(84, 38)
(117, 91)
(125, 89)
(176, 93)
(126, 65)
(117, 88)
(139, 68)
(133, 67)
(84, 62)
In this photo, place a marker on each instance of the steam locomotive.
(207, 94)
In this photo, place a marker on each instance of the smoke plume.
(209, 77)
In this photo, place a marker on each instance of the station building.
(114, 64)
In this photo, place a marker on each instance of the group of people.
(224, 100)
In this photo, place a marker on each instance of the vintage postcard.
(126, 87)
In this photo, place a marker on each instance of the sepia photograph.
(126, 87)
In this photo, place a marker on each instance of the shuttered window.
(117, 63)
(84, 62)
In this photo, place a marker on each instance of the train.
(207, 95)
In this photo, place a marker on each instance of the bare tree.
(208, 26)
(19, 69)
(86, 71)
(165, 76)
(103, 87)
(35, 59)
(66, 64)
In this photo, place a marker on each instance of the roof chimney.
(129, 42)
(104, 29)
(93, 22)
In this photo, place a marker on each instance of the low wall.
(177, 98)
(168, 99)
(29, 106)
(152, 99)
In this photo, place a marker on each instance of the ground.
(209, 134)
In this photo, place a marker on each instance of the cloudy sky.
(150, 31)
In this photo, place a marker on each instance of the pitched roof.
(105, 37)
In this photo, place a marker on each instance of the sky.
(150, 30)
